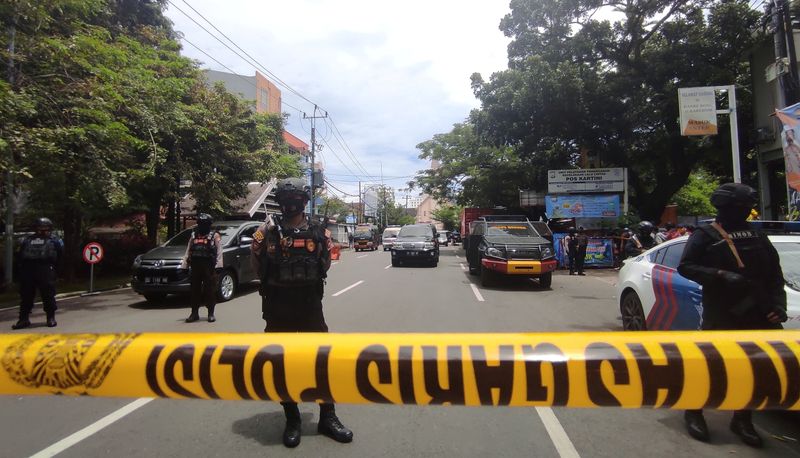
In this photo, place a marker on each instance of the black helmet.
(289, 186)
(734, 195)
(44, 222)
(204, 222)
(645, 227)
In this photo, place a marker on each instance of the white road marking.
(349, 288)
(387, 267)
(362, 256)
(477, 293)
(457, 257)
(463, 267)
(561, 441)
(73, 439)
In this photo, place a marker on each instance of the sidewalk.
(10, 298)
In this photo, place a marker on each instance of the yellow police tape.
(682, 370)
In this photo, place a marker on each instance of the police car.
(654, 296)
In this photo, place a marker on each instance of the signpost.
(92, 254)
(581, 181)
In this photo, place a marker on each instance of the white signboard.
(585, 180)
(698, 109)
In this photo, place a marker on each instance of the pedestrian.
(204, 258)
(571, 244)
(663, 234)
(743, 286)
(581, 242)
(37, 259)
(292, 255)
(640, 241)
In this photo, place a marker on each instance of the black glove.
(779, 313)
(732, 278)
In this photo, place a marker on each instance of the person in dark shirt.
(742, 282)
(37, 259)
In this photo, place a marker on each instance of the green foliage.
(449, 216)
(334, 207)
(694, 198)
(578, 83)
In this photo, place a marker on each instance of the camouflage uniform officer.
(292, 255)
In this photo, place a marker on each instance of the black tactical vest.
(296, 258)
(203, 248)
(38, 248)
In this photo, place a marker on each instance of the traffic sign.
(93, 253)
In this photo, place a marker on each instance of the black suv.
(509, 245)
(158, 272)
(416, 243)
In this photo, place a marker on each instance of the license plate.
(412, 253)
(155, 280)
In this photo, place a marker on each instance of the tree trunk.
(152, 221)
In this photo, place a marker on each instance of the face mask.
(293, 206)
(732, 215)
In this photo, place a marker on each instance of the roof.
(295, 142)
(258, 194)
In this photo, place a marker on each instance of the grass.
(10, 298)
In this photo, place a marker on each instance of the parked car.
(416, 243)
(443, 238)
(158, 272)
(509, 245)
(654, 296)
(389, 236)
(455, 237)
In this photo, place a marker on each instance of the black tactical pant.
(43, 278)
(580, 258)
(572, 254)
(295, 310)
(204, 286)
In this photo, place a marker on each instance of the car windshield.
(789, 253)
(182, 239)
(513, 229)
(388, 233)
(415, 231)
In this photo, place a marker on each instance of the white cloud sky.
(390, 74)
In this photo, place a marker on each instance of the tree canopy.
(597, 77)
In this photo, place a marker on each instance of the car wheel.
(155, 297)
(487, 277)
(227, 286)
(545, 280)
(632, 313)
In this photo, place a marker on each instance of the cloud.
(390, 75)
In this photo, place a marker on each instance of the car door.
(678, 300)
(242, 250)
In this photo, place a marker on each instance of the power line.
(343, 143)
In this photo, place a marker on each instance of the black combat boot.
(330, 425)
(211, 317)
(696, 425)
(194, 316)
(742, 426)
(22, 323)
(51, 320)
(291, 434)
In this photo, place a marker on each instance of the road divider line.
(349, 288)
(463, 267)
(362, 256)
(477, 293)
(561, 441)
(457, 257)
(387, 267)
(88, 431)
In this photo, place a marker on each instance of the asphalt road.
(407, 299)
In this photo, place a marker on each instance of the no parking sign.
(93, 253)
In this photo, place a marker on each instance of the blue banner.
(582, 206)
(599, 252)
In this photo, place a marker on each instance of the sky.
(389, 74)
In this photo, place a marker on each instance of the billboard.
(599, 252)
(698, 110)
(585, 180)
(582, 206)
(790, 137)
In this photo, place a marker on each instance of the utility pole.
(783, 39)
(9, 252)
(360, 211)
(313, 119)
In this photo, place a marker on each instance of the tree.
(336, 208)
(694, 198)
(449, 216)
(578, 84)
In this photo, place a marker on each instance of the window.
(264, 103)
(673, 254)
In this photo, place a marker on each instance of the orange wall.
(274, 102)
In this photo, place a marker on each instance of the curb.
(70, 295)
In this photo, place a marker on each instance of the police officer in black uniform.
(292, 255)
(742, 281)
(640, 241)
(204, 256)
(37, 258)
